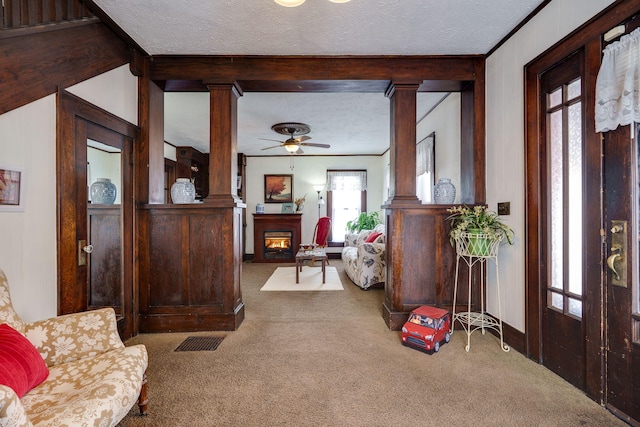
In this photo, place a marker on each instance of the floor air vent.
(200, 344)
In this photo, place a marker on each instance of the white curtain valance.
(618, 84)
(347, 180)
(424, 155)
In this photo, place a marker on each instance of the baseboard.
(511, 336)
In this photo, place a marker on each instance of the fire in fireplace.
(277, 244)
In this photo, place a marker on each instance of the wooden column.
(190, 256)
(403, 143)
(223, 144)
(149, 167)
(401, 228)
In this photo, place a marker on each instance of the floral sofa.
(90, 377)
(364, 261)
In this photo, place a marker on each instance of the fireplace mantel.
(275, 222)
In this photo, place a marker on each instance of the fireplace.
(278, 245)
(276, 237)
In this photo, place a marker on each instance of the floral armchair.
(93, 378)
(363, 257)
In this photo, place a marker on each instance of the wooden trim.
(583, 36)
(45, 28)
(41, 62)
(316, 68)
(104, 17)
(511, 336)
(76, 118)
(518, 27)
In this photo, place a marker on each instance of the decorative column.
(403, 143)
(223, 143)
(191, 254)
(404, 218)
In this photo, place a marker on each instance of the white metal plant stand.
(476, 249)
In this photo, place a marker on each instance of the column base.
(394, 319)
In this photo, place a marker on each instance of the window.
(425, 173)
(564, 124)
(346, 199)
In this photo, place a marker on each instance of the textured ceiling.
(317, 27)
(351, 123)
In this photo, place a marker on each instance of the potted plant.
(364, 221)
(481, 226)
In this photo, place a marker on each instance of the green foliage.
(364, 221)
(464, 219)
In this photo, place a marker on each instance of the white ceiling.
(352, 123)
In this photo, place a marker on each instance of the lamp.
(318, 189)
(291, 148)
(289, 3)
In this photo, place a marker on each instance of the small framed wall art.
(287, 208)
(11, 188)
(278, 188)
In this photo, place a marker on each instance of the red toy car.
(426, 328)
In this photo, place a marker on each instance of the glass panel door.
(564, 119)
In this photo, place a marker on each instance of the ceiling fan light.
(289, 3)
(339, 1)
(292, 148)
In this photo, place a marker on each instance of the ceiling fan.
(293, 144)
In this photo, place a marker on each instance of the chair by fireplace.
(276, 237)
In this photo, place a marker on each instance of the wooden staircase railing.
(20, 14)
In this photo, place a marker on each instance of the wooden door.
(102, 275)
(622, 317)
(109, 155)
(563, 217)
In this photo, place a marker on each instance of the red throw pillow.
(21, 366)
(372, 237)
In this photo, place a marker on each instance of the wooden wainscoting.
(190, 267)
(421, 264)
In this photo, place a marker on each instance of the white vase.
(444, 192)
(103, 192)
(183, 191)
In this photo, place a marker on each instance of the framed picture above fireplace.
(278, 188)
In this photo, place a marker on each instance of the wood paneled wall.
(421, 264)
(189, 268)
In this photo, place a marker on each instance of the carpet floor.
(328, 359)
(310, 279)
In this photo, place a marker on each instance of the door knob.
(611, 261)
(618, 258)
(88, 249)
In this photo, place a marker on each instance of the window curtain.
(618, 84)
(346, 180)
(424, 155)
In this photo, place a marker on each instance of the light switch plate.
(504, 208)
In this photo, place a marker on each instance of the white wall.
(115, 91)
(28, 238)
(505, 137)
(444, 120)
(28, 140)
(308, 171)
